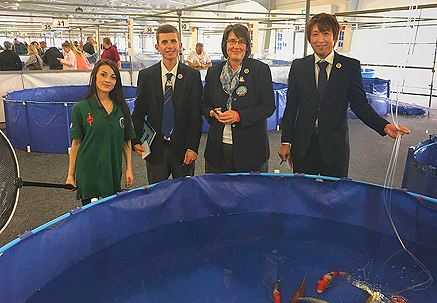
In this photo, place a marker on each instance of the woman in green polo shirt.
(101, 130)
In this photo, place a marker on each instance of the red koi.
(398, 299)
(276, 293)
(300, 291)
(325, 281)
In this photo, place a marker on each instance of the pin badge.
(338, 65)
(246, 70)
(241, 91)
(180, 76)
(241, 79)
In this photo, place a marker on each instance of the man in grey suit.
(169, 94)
(320, 88)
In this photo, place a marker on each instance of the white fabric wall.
(13, 81)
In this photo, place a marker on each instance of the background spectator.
(19, 47)
(34, 62)
(82, 61)
(9, 60)
(199, 58)
(69, 62)
(110, 52)
(51, 58)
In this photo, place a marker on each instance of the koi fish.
(276, 293)
(398, 299)
(301, 290)
(325, 281)
(307, 299)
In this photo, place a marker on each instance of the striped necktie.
(168, 110)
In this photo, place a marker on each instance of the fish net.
(8, 181)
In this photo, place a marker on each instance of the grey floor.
(370, 155)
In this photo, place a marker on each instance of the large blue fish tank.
(230, 238)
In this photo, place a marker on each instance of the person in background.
(38, 48)
(9, 60)
(19, 47)
(89, 50)
(199, 58)
(238, 98)
(176, 117)
(320, 88)
(34, 62)
(101, 130)
(89, 45)
(82, 61)
(110, 52)
(51, 57)
(69, 62)
(43, 46)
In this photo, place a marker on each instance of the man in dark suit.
(169, 94)
(320, 87)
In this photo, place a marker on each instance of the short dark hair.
(167, 29)
(7, 44)
(240, 31)
(107, 40)
(34, 43)
(325, 22)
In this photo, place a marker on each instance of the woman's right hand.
(70, 180)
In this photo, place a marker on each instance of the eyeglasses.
(233, 42)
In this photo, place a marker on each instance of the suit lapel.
(180, 78)
(310, 73)
(158, 85)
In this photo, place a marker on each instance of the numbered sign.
(149, 31)
(47, 26)
(60, 23)
(185, 26)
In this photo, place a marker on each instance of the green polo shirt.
(99, 159)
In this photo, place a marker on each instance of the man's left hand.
(394, 132)
(190, 156)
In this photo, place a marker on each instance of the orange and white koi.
(325, 281)
(276, 293)
(300, 291)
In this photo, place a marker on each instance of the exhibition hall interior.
(277, 180)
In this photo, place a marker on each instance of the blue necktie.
(323, 77)
(168, 110)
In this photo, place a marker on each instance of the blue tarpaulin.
(30, 262)
(39, 118)
(420, 174)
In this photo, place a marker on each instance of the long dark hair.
(116, 94)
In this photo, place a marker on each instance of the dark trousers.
(227, 163)
(157, 172)
(313, 163)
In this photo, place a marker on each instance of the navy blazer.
(249, 135)
(187, 98)
(344, 87)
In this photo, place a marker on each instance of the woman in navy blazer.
(238, 98)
